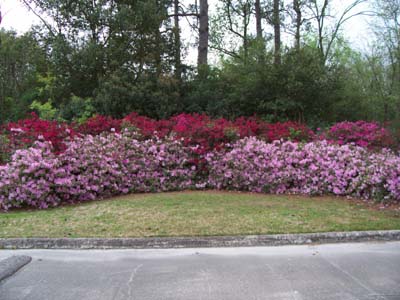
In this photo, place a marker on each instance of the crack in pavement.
(129, 283)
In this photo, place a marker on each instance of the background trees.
(385, 60)
(281, 60)
(22, 64)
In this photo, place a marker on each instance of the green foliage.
(46, 111)
(205, 93)
(4, 153)
(21, 60)
(301, 88)
(151, 96)
(78, 109)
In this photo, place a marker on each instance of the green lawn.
(197, 214)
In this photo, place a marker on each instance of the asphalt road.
(343, 271)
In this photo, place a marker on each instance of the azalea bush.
(94, 167)
(24, 133)
(99, 124)
(288, 131)
(148, 127)
(109, 164)
(203, 131)
(314, 168)
(215, 133)
(47, 163)
(195, 130)
(364, 134)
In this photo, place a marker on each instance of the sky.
(356, 30)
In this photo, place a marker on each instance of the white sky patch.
(16, 16)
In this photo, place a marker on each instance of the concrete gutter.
(199, 242)
(11, 265)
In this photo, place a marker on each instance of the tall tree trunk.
(277, 32)
(259, 31)
(203, 34)
(321, 24)
(297, 9)
(246, 11)
(158, 53)
(258, 19)
(177, 42)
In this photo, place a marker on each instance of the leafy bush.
(4, 148)
(46, 110)
(78, 109)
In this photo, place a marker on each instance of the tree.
(177, 42)
(298, 22)
(258, 15)
(277, 32)
(231, 28)
(387, 29)
(203, 35)
(327, 33)
(90, 42)
(22, 61)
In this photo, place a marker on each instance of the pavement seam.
(200, 242)
(356, 280)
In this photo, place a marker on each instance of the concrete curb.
(11, 265)
(199, 242)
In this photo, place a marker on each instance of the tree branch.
(28, 6)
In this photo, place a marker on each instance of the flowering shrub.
(148, 127)
(94, 167)
(24, 133)
(288, 131)
(312, 168)
(195, 129)
(211, 134)
(393, 182)
(118, 163)
(26, 179)
(364, 134)
(98, 124)
(201, 130)
(52, 164)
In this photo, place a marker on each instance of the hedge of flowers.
(94, 167)
(53, 163)
(314, 168)
(195, 129)
(361, 133)
(25, 133)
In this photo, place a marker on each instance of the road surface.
(369, 271)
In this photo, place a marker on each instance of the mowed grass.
(197, 214)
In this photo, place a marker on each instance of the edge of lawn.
(201, 242)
